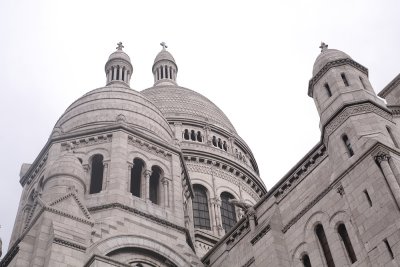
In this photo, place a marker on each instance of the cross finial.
(120, 46)
(323, 46)
(164, 45)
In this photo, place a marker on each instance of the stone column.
(129, 180)
(217, 208)
(126, 76)
(207, 135)
(115, 73)
(165, 184)
(232, 144)
(147, 175)
(383, 160)
(105, 175)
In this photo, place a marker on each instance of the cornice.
(388, 88)
(87, 141)
(154, 149)
(69, 244)
(352, 109)
(137, 212)
(332, 64)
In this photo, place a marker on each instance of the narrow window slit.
(347, 143)
(328, 89)
(368, 197)
(319, 230)
(388, 248)
(362, 82)
(347, 243)
(306, 260)
(346, 83)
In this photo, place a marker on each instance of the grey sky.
(251, 58)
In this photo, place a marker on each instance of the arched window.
(392, 137)
(306, 260)
(328, 89)
(347, 143)
(347, 243)
(155, 184)
(96, 176)
(193, 135)
(219, 143)
(166, 71)
(225, 146)
(162, 72)
(186, 134)
(319, 230)
(123, 73)
(214, 141)
(201, 215)
(228, 214)
(118, 70)
(136, 177)
(199, 137)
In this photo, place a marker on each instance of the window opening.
(214, 141)
(162, 72)
(348, 145)
(201, 215)
(118, 70)
(362, 82)
(392, 137)
(228, 214)
(346, 83)
(319, 230)
(368, 198)
(154, 184)
(225, 146)
(193, 135)
(306, 260)
(136, 177)
(166, 71)
(123, 73)
(199, 138)
(186, 134)
(347, 243)
(96, 177)
(388, 248)
(328, 89)
(219, 143)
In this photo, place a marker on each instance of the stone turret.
(164, 68)
(118, 67)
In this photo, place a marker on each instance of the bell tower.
(164, 68)
(352, 117)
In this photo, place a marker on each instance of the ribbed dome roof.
(119, 54)
(182, 103)
(164, 55)
(109, 105)
(327, 56)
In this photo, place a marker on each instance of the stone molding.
(353, 110)
(137, 212)
(9, 255)
(34, 172)
(260, 234)
(332, 64)
(73, 195)
(238, 233)
(307, 166)
(104, 259)
(395, 110)
(69, 244)
(156, 150)
(87, 141)
(249, 262)
(388, 88)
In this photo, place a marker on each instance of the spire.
(118, 67)
(164, 67)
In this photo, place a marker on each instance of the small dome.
(107, 106)
(327, 56)
(66, 164)
(164, 55)
(119, 54)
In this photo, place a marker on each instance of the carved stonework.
(134, 141)
(382, 157)
(88, 141)
(31, 175)
(351, 111)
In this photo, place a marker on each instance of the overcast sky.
(253, 59)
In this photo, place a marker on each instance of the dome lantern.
(164, 68)
(118, 67)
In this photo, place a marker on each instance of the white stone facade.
(145, 179)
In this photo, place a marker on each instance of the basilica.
(160, 178)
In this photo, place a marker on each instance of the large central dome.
(177, 102)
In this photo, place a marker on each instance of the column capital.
(165, 180)
(147, 173)
(382, 157)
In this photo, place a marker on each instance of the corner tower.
(352, 117)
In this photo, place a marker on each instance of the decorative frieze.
(69, 244)
(239, 232)
(37, 169)
(134, 141)
(352, 111)
(260, 234)
(302, 171)
(87, 141)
